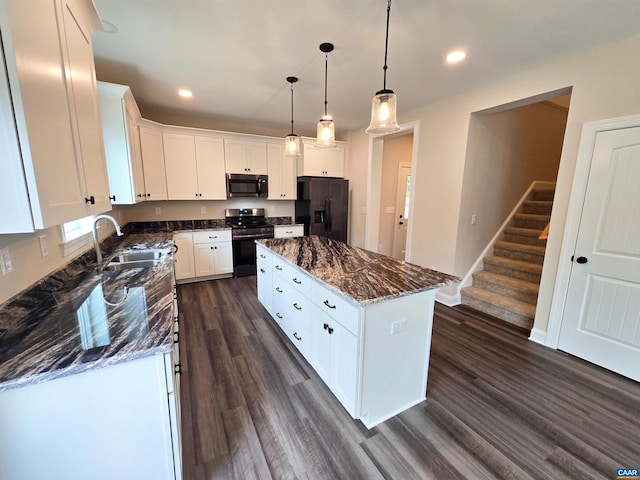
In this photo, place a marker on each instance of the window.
(76, 234)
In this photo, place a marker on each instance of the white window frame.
(76, 234)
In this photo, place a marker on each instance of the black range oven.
(247, 226)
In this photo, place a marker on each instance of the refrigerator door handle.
(330, 215)
(326, 214)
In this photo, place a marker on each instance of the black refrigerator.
(323, 206)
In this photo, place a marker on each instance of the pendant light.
(326, 135)
(383, 106)
(292, 142)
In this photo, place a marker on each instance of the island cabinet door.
(334, 356)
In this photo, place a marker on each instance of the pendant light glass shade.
(292, 141)
(383, 105)
(326, 132)
(383, 113)
(292, 145)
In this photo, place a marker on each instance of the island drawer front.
(264, 256)
(299, 312)
(300, 338)
(298, 279)
(337, 307)
(211, 236)
(280, 311)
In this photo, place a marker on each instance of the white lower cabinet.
(374, 357)
(116, 421)
(203, 253)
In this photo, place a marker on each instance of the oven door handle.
(249, 237)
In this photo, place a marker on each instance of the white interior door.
(402, 212)
(601, 320)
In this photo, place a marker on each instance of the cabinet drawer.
(264, 256)
(296, 277)
(347, 314)
(300, 338)
(212, 236)
(288, 231)
(299, 311)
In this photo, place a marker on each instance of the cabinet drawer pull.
(330, 330)
(278, 267)
(295, 305)
(326, 302)
(289, 231)
(326, 326)
(278, 289)
(278, 315)
(215, 236)
(112, 198)
(263, 256)
(295, 334)
(295, 280)
(262, 270)
(91, 200)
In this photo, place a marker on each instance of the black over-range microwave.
(240, 185)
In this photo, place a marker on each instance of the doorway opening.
(390, 196)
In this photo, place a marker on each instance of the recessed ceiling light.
(185, 93)
(456, 56)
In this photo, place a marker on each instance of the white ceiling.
(236, 54)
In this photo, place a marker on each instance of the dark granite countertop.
(193, 225)
(79, 317)
(360, 275)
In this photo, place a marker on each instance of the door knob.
(582, 260)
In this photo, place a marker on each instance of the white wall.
(214, 209)
(604, 81)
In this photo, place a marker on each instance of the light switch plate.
(5, 262)
(398, 326)
(44, 248)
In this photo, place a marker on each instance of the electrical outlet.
(203, 209)
(5, 262)
(44, 248)
(398, 326)
(474, 219)
(158, 210)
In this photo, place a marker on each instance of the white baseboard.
(448, 300)
(538, 336)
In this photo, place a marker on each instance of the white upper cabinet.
(51, 79)
(195, 167)
(246, 157)
(282, 173)
(155, 174)
(210, 163)
(322, 162)
(120, 117)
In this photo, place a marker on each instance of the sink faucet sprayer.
(96, 244)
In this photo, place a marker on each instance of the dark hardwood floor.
(498, 406)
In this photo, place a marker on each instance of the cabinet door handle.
(278, 290)
(278, 267)
(295, 305)
(176, 337)
(112, 198)
(278, 315)
(295, 280)
(262, 256)
(177, 368)
(148, 194)
(295, 334)
(326, 302)
(330, 330)
(175, 246)
(91, 200)
(326, 326)
(262, 270)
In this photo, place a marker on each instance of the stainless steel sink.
(137, 256)
(133, 264)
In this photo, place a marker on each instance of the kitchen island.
(362, 320)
